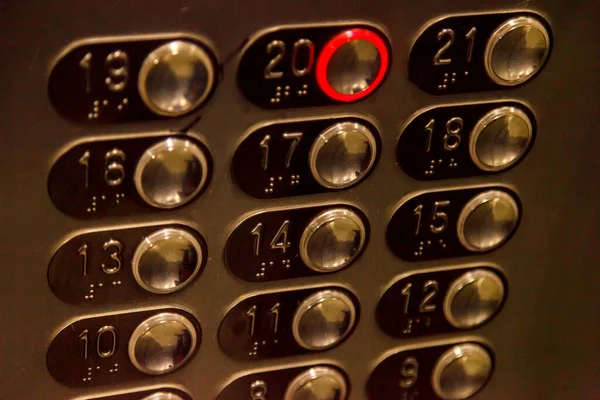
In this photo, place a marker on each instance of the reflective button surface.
(176, 78)
(323, 320)
(487, 220)
(171, 173)
(516, 51)
(332, 240)
(342, 155)
(318, 383)
(166, 260)
(473, 298)
(162, 343)
(500, 138)
(461, 371)
(163, 396)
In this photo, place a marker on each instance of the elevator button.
(167, 260)
(500, 138)
(163, 396)
(352, 64)
(342, 155)
(318, 383)
(162, 343)
(176, 78)
(323, 319)
(171, 173)
(473, 299)
(516, 51)
(332, 240)
(487, 220)
(461, 371)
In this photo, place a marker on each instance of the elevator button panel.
(453, 223)
(479, 52)
(447, 372)
(442, 301)
(123, 265)
(129, 79)
(123, 347)
(133, 175)
(154, 394)
(299, 157)
(313, 65)
(325, 382)
(288, 323)
(294, 243)
(465, 140)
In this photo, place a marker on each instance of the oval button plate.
(269, 246)
(428, 226)
(95, 268)
(159, 394)
(438, 143)
(93, 351)
(273, 160)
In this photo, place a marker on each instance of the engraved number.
(85, 161)
(115, 255)
(117, 66)
(264, 148)
(444, 33)
(418, 212)
(251, 313)
(257, 232)
(102, 350)
(114, 170)
(439, 219)
(471, 38)
(409, 371)
(85, 65)
(258, 390)
(280, 239)
(277, 47)
(309, 61)
(454, 127)
(295, 138)
(82, 251)
(430, 289)
(429, 130)
(274, 311)
(406, 292)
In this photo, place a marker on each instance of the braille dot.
(125, 100)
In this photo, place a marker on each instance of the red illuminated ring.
(333, 45)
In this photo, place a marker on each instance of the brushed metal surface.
(545, 338)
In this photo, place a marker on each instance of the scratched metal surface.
(546, 338)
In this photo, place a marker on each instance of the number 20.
(277, 47)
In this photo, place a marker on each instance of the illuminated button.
(163, 396)
(461, 371)
(342, 155)
(516, 51)
(352, 65)
(500, 138)
(332, 240)
(162, 343)
(318, 383)
(487, 220)
(171, 173)
(176, 78)
(323, 320)
(473, 298)
(167, 260)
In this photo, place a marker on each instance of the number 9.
(410, 372)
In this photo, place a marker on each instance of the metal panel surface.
(545, 340)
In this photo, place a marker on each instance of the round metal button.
(163, 396)
(171, 173)
(176, 78)
(516, 51)
(318, 383)
(352, 64)
(342, 155)
(461, 371)
(332, 240)
(323, 319)
(162, 343)
(474, 298)
(487, 220)
(500, 138)
(166, 260)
